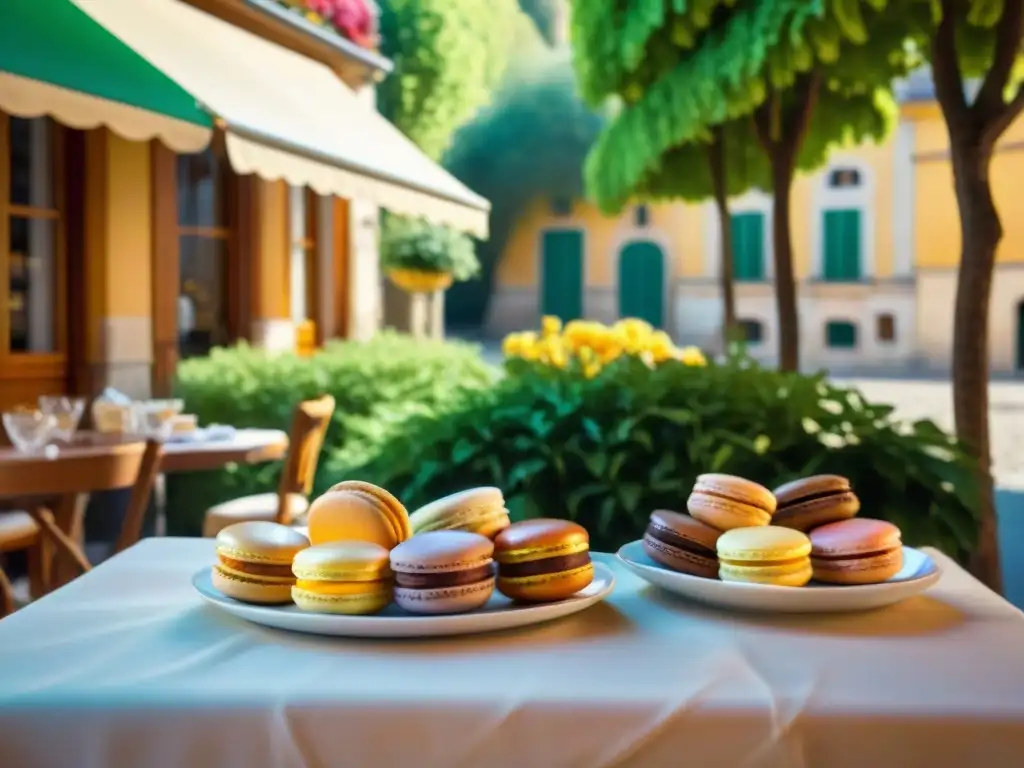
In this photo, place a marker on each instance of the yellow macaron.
(358, 511)
(765, 555)
(478, 510)
(349, 577)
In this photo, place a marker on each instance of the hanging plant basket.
(419, 280)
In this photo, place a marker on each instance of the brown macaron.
(813, 501)
(726, 502)
(682, 543)
(543, 560)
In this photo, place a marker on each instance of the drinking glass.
(156, 421)
(66, 410)
(30, 431)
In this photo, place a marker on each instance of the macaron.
(856, 551)
(348, 577)
(254, 561)
(682, 543)
(543, 560)
(765, 554)
(812, 501)
(726, 502)
(443, 572)
(358, 511)
(480, 510)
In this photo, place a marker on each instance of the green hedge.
(377, 384)
(609, 450)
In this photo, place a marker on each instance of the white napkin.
(113, 396)
(209, 434)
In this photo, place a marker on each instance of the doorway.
(642, 282)
(562, 274)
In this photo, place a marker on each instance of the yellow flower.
(551, 325)
(692, 356)
(585, 354)
(661, 347)
(512, 345)
(590, 370)
(314, 17)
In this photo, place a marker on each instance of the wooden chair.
(54, 493)
(290, 502)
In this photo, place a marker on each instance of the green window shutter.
(841, 240)
(840, 335)
(748, 245)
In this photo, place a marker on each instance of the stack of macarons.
(738, 530)
(364, 552)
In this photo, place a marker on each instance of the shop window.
(844, 178)
(641, 216)
(31, 237)
(842, 245)
(840, 334)
(205, 244)
(753, 331)
(748, 246)
(886, 328)
(561, 206)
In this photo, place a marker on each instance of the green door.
(642, 283)
(562, 274)
(842, 245)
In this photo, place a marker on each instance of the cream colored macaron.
(477, 510)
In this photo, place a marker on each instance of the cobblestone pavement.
(916, 399)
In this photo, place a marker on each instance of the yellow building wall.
(937, 219)
(274, 251)
(685, 229)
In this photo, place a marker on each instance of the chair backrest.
(306, 438)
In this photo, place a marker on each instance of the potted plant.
(420, 257)
(355, 20)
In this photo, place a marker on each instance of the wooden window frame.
(54, 364)
(243, 246)
(310, 244)
(885, 327)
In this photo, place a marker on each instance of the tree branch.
(995, 126)
(808, 90)
(1009, 31)
(946, 74)
(762, 119)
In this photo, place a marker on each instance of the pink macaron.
(856, 551)
(440, 572)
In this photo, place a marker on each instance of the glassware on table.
(66, 410)
(30, 431)
(157, 417)
(116, 418)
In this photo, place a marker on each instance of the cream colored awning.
(288, 117)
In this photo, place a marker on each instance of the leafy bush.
(376, 385)
(608, 450)
(418, 245)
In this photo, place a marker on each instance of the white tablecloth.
(127, 667)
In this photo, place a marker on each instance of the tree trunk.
(980, 232)
(785, 282)
(716, 159)
(781, 129)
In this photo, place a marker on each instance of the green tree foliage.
(980, 40)
(448, 56)
(679, 67)
(529, 143)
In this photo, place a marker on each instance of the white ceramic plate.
(919, 572)
(499, 613)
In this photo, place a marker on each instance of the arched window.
(641, 216)
(840, 334)
(753, 331)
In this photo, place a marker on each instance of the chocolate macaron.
(543, 560)
(813, 501)
(682, 543)
(443, 572)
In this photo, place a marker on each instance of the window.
(753, 331)
(302, 271)
(840, 334)
(886, 327)
(748, 246)
(844, 178)
(561, 206)
(31, 236)
(842, 245)
(205, 242)
(641, 216)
